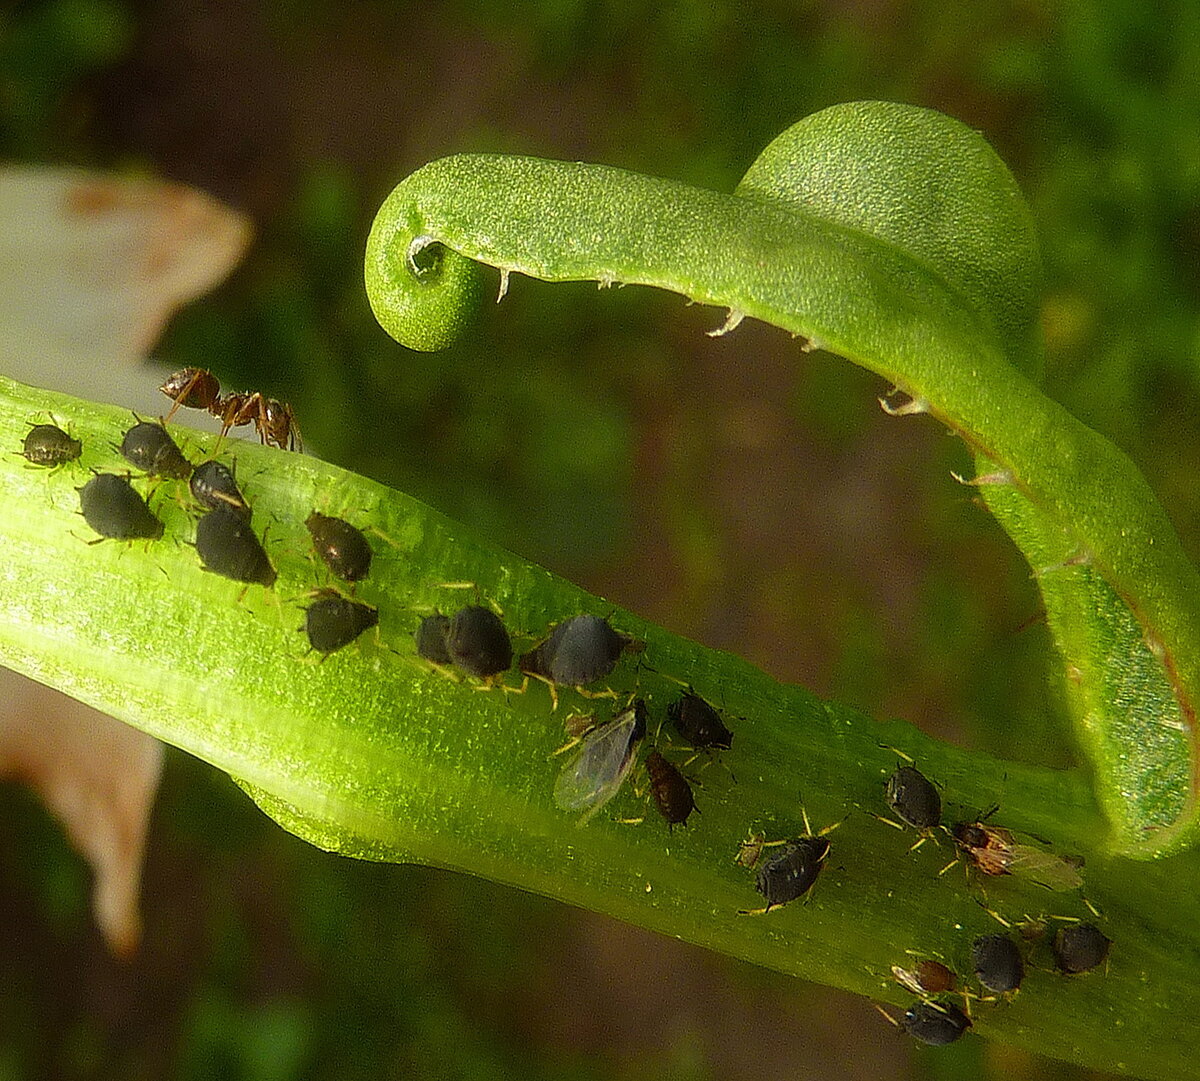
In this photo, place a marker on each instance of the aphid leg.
(608, 692)
(442, 670)
(550, 686)
(513, 690)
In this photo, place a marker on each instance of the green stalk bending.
(893, 236)
(376, 754)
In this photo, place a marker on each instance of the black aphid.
(227, 546)
(579, 651)
(48, 444)
(214, 486)
(670, 789)
(342, 547)
(148, 446)
(1080, 947)
(698, 723)
(793, 872)
(997, 962)
(914, 798)
(477, 642)
(430, 637)
(332, 621)
(113, 509)
(935, 1023)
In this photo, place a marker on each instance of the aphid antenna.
(994, 914)
(330, 590)
(450, 673)
(899, 753)
(827, 830)
(1063, 919)
(886, 1016)
(479, 597)
(954, 863)
(571, 743)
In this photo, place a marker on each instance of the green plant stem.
(892, 236)
(375, 754)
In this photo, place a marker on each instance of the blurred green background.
(733, 489)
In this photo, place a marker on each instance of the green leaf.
(895, 237)
(375, 754)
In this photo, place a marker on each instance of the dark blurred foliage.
(733, 489)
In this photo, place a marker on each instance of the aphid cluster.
(578, 652)
(998, 961)
(225, 539)
(573, 655)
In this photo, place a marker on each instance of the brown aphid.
(670, 789)
(341, 546)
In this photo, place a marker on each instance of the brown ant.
(274, 420)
